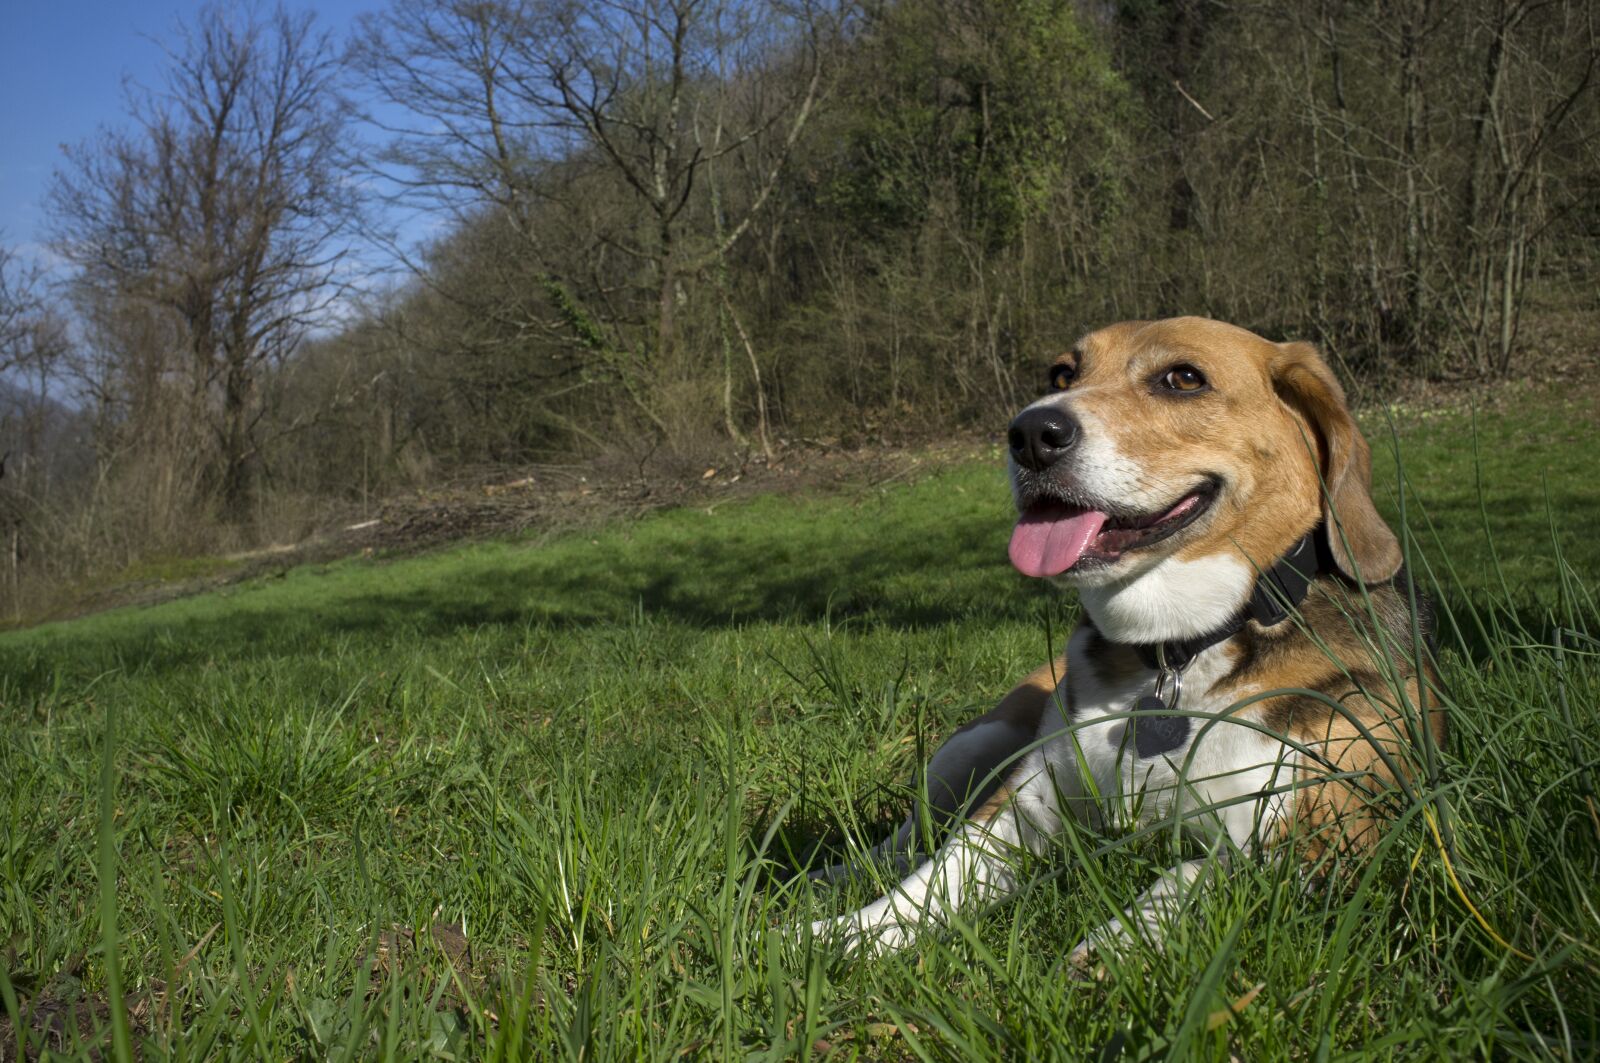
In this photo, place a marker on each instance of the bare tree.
(33, 352)
(29, 332)
(638, 80)
(451, 89)
(15, 299)
(33, 344)
(530, 107)
(223, 212)
(1542, 66)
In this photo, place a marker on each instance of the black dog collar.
(1277, 593)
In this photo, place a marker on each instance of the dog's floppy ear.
(1362, 545)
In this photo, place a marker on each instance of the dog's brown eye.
(1183, 378)
(1061, 377)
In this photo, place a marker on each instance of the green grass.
(592, 757)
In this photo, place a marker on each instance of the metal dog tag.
(1155, 732)
(1155, 729)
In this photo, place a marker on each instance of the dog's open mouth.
(1053, 536)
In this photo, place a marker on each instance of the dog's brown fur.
(1310, 463)
(1246, 450)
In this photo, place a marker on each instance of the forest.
(312, 269)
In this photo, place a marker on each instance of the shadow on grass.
(902, 574)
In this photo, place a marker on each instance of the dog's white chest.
(1134, 767)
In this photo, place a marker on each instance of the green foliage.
(583, 326)
(996, 104)
(591, 755)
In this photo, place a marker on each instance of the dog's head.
(1171, 461)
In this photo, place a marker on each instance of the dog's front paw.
(822, 929)
(855, 936)
(1083, 962)
(832, 932)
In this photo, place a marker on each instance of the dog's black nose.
(1040, 436)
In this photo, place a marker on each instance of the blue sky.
(62, 68)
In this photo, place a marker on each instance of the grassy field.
(538, 799)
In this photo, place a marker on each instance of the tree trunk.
(1488, 103)
(755, 374)
(666, 308)
(1412, 103)
(1511, 289)
(1184, 35)
(236, 488)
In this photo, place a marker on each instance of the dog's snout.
(1040, 436)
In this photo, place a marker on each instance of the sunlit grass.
(592, 759)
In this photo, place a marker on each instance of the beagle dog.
(1249, 660)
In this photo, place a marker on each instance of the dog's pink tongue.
(1051, 537)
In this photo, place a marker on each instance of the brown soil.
(65, 1018)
